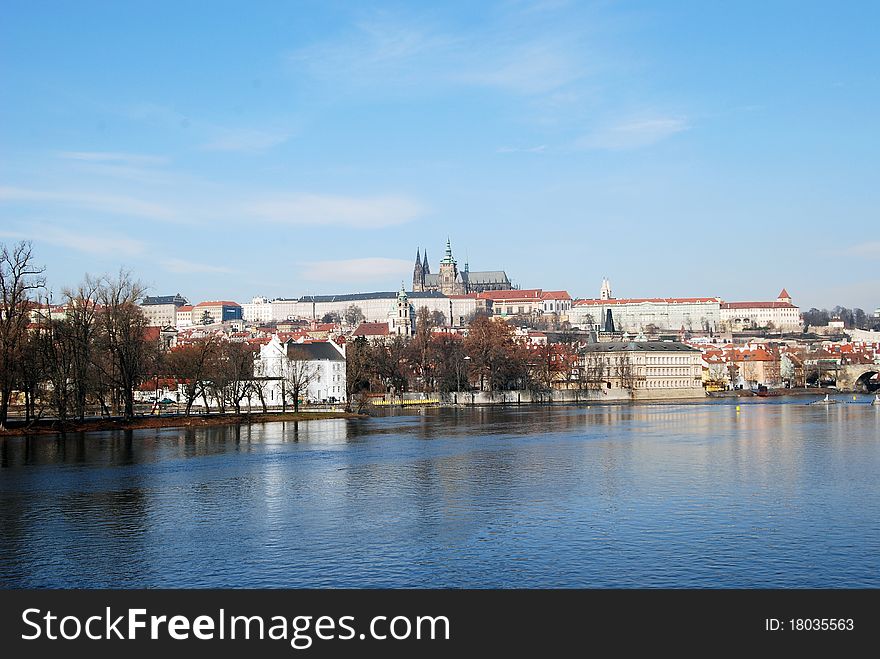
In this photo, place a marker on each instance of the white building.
(374, 306)
(648, 370)
(781, 314)
(258, 310)
(322, 361)
(636, 315)
(161, 311)
(558, 302)
(401, 315)
(184, 317)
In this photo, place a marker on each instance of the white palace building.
(674, 314)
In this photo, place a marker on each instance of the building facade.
(401, 315)
(641, 315)
(452, 281)
(208, 313)
(646, 369)
(258, 310)
(781, 314)
(161, 311)
(321, 362)
(375, 306)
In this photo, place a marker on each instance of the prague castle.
(452, 281)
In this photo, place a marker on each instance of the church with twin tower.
(452, 281)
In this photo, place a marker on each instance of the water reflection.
(774, 494)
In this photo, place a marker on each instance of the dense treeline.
(88, 352)
(489, 358)
(92, 355)
(852, 318)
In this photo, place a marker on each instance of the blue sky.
(232, 149)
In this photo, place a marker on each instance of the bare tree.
(258, 386)
(299, 373)
(57, 351)
(19, 280)
(190, 364)
(238, 366)
(732, 374)
(360, 366)
(123, 326)
(496, 359)
(392, 364)
(420, 348)
(593, 372)
(623, 369)
(450, 365)
(31, 374)
(353, 315)
(82, 326)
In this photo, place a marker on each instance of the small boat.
(764, 392)
(825, 401)
(876, 400)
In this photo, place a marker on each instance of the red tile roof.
(527, 294)
(218, 303)
(757, 305)
(555, 295)
(371, 329)
(642, 300)
(784, 294)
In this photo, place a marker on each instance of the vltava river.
(780, 494)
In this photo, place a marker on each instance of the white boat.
(825, 401)
(876, 400)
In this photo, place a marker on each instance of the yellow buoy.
(737, 408)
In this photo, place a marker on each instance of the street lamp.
(458, 381)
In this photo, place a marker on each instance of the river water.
(777, 494)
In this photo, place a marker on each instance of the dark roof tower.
(609, 322)
(418, 274)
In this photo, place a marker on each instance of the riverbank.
(747, 393)
(194, 421)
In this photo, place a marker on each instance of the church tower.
(401, 321)
(448, 272)
(605, 293)
(419, 274)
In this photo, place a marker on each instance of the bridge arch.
(857, 377)
(868, 381)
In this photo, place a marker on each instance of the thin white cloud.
(355, 270)
(330, 210)
(870, 250)
(210, 136)
(113, 157)
(514, 149)
(536, 68)
(90, 242)
(377, 50)
(245, 140)
(633, 134)
(388, 52)
(183, 266)
(104, 203)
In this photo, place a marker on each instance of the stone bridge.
(855, 376)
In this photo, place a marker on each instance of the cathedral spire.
(448, 257)
(418, 273)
